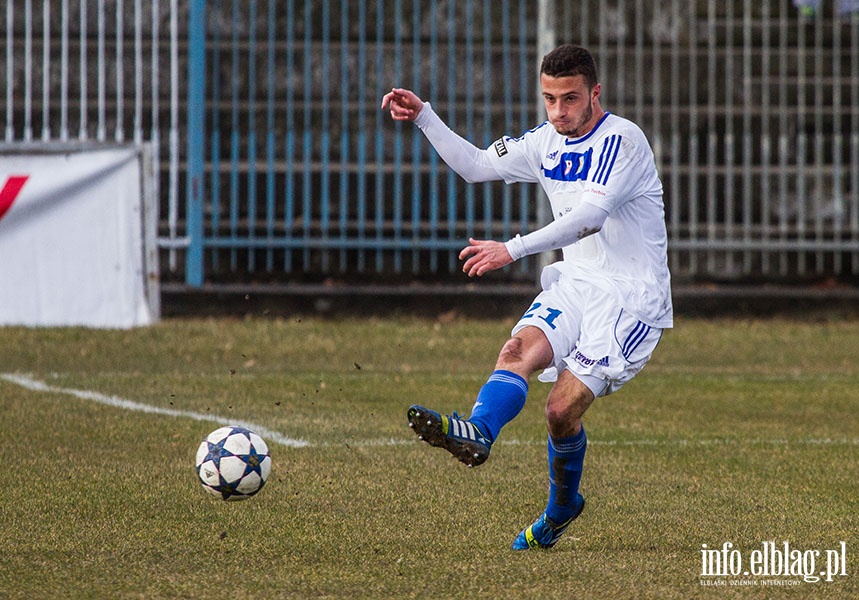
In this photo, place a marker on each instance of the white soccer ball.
(233, 463)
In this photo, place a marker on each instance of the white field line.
(116, 402)
(284, 440)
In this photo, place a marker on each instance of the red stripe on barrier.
(10, 191)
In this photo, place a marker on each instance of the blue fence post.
(196, 146)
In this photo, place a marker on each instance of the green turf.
(738, 431)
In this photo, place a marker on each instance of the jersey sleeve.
(516, 160)
(624, 168)
(470, 162)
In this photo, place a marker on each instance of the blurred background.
(276, 174)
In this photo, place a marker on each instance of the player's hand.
(482, 256)
(403, 104)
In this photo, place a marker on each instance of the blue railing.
(306, 176)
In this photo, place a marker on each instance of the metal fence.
(279, 167)
(98, 72)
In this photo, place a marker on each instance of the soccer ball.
(233, 463)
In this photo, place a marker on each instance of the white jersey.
(612, 167)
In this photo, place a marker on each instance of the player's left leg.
(567, 402)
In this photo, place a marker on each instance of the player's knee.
(562, 421)
(511, 352)
(564, 412)
(559, 415)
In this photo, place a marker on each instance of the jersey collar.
(570, 142)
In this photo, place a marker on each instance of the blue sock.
(498, 402)
(566, 457)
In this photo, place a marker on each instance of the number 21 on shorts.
(547, 313)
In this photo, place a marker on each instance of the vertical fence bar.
(215, 140)
(251, 133)
(119, 134)
(325, 134)
(235, 136)
(173, 136)
(837, 149)
(820, 203)
(155, 85)
(729, 234)
(270, 151)
(526, 109)
(138, 73)
(345, 142)
(196, 140)
(694, 152)
(46, 70)
(306, 134)
(655, 83)
(620, 33)
(638, 62)
(10, 59)
(417, 138)
(506, 191)
(585, 27)
(783, 139)
(802, 143)
(854, 140)
(450, 84)
(673, 204)
(765, 144)
(155, 135)
(64, 72)
(712, 133)
(289, 143)
(433, 158)
(28, 70)
(83, 70)
(379, 145)
(488, 134)
(101, 70)
(470, 190)
(361, 149)
(507, 67)
(397, 191)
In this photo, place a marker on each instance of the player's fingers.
(468, 265)
(477, 266)
(400, 112)
(468, 251)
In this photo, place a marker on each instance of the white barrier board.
(71, 239)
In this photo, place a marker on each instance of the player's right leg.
(499, 401)
(456, 435)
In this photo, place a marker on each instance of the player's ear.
(595, 93)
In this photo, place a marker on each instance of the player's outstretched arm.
(403, 104)
(482, 256)
(469, 161)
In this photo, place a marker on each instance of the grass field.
(738, 431)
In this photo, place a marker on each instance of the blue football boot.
(545, 533)
(458, 436)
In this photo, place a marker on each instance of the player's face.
(573, 109)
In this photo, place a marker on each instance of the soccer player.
(602, 309)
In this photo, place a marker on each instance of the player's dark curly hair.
(569, 60)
